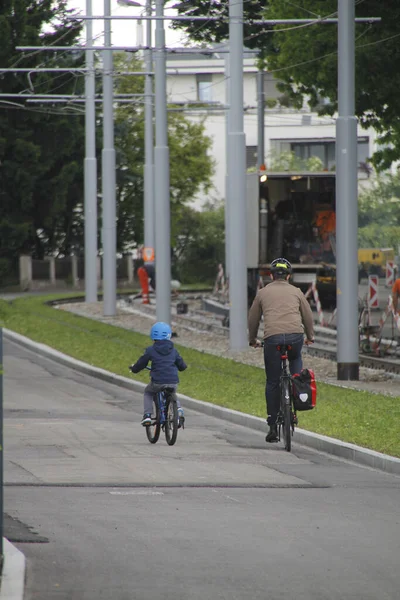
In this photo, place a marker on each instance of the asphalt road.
(102, 514)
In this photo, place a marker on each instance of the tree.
(207, 31)
(379, 213)
(200, 245)
(40, 146)
(304, 58)
(191, 166)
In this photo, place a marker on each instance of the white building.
(203, 78)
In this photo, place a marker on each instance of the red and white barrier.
(389, 273)
(396, 315)
(373, 297)
(332, 317)
(313, 290)
(221, 285)
(389, 309)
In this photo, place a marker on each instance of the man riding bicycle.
(287, 316)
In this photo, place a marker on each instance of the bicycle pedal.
(181, 423)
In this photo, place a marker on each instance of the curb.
(322, 443)
(13, 573)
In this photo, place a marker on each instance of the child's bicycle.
(164, 416)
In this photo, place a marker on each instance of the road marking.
(136, 493)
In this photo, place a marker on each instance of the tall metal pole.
(263, 247)
(260, 118)
(237, 184)
(346, 199)
(149, 227)
(161, 162)
(90, 168)
(227, 183)
(108, 177)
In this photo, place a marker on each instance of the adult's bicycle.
(164, 416)
(287, 417)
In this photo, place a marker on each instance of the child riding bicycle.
(165, 363)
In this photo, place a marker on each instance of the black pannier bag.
(304, 390)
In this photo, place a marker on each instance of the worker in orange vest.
(147, 274)
(396, 295)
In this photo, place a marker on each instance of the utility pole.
(237, 184)
(149, 226)
(161, 163)
(263, 207)
(260, 118)
(227, 168)
(346, 199)
(108, 177)
(90, 168)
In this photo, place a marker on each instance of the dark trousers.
(272, 361)
(151, 389)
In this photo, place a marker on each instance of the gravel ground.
(139, 318)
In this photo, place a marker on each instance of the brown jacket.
(284, 308)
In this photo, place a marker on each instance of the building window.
(204, 87)
(323, 149)
(251, 156)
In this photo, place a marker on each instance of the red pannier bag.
(304, 390)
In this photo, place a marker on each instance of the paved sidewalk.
(319, 442)
(13, 575)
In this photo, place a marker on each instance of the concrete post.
(346, 199)
(161, 161)
(129, 265)
(52, 270)
(237, 184)
(108, 178)
(90, 167)
(25, 272)
(74, 267)
(98, 271)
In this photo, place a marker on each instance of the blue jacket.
(165, 362)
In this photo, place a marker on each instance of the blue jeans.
(272, 361)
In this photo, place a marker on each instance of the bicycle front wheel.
(286, 424)
(153, 430)
(171, 421)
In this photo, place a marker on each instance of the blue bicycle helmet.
(161, 331)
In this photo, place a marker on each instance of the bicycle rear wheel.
(153, 430)
(171, 421)
(286, 420)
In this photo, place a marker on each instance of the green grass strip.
(366, 419)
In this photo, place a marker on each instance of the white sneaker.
(146, 420)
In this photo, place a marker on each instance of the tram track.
(209, 316)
